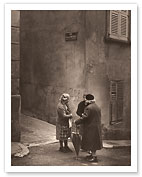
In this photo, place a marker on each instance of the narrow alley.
(39, 137)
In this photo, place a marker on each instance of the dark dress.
(92, 136)
(80, 109)
(79, 112)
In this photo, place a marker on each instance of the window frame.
(116, 97)
(109, 36)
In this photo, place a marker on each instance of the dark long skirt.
(91, 140)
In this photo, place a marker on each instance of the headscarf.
(64, 97)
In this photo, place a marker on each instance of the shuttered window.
(119, 25)
(116, 101)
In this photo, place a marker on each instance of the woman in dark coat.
(81, 106)
(80, 111)
(63, 125)
(92, 136)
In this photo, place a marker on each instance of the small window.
(116, 101)
(118, 26)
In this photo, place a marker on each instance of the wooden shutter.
(124, 11)
(124, 26)
(113, 91)
(116, 101)
(119, 90)
(114, 24)
(119, 24)
(119, 100)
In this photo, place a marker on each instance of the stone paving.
(36, 132)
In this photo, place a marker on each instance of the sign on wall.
(71, 36)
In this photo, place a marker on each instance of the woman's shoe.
(89, 157)
(67, 149)
(94, 159)
(62, 149)
(82, 150)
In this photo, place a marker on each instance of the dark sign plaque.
(71, 36)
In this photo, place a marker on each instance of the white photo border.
(8, 8)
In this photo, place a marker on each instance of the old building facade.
(77, 52)
(15, 76)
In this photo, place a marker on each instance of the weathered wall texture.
(105, 61)
(50, 65)
(15, 76)
(119, 67)
(118, 62)
(96, 77)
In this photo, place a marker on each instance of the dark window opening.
(116, 101)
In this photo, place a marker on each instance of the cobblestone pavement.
(48, 155)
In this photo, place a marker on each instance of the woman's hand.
(78, 121)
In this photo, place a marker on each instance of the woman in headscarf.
(63, 123)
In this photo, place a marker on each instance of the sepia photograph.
(71, 87)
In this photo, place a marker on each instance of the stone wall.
(96, 77)
(50, 65)
(15, 76)
(106, 61)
